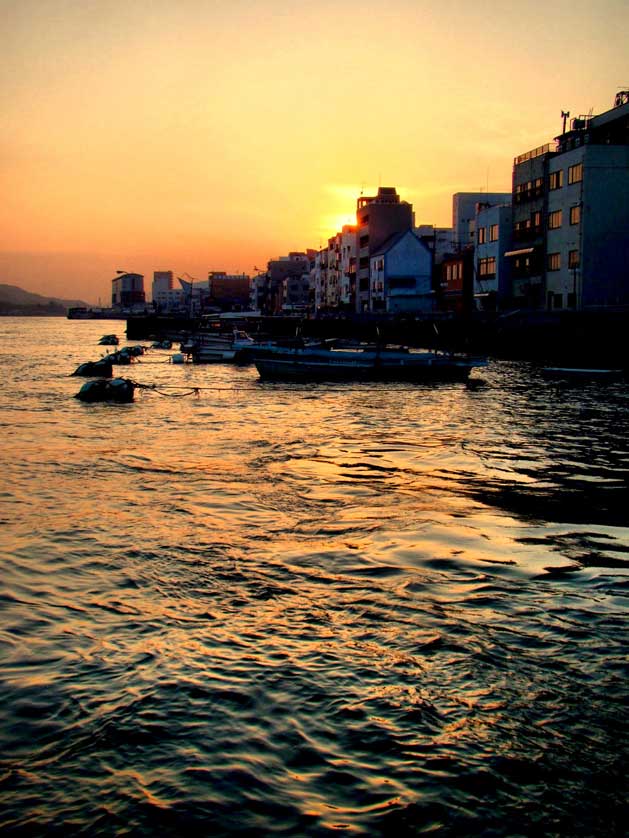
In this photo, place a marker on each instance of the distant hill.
(14, 300)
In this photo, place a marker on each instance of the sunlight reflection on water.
(290, 610)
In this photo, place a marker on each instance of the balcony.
(549, 148)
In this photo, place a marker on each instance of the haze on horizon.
(196, 136)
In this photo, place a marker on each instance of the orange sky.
(215, 134)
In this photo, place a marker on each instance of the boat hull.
(213, 355)
(340, 366)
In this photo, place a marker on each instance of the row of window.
(555, 218)
(533, 225)
(554, 260)
(454, 271)
(487, 266)
(493, 234)
(556, 300)
(533, 188)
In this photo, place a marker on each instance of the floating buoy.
(95, 368)
(177, 358)
(118, 390)
(120, 357)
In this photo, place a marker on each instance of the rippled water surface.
(270, 610)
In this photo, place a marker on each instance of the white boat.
(337, 361)
(207, 348)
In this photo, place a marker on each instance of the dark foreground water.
(301, 611)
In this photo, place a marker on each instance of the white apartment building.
(400, 275)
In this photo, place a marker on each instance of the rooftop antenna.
(564, 115)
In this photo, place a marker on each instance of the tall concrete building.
(163, 284)
(571, 216)
(377, 218)
(127, 291)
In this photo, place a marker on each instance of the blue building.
(492, 268)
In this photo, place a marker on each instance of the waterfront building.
(228, 291)
(127, 291)
(162, 281)
(267, 293)
(401, 275)
(456, 291)
(332, 284)
(163, 284)
(257, 291)
(530, 210)
(464, 213)
(174, 301)
(319, 278)
(378, 218)
(296, 294)
(439, 240)
(492, 269)
(571, 216)
(347, 289)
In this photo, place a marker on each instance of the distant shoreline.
(26, 312)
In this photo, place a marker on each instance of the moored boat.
(336, 361)
(207, 348)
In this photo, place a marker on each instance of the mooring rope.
(153, 387)
(307, 387)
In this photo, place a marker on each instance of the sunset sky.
(199, 135)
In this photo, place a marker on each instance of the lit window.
(482, 235)
(575, 214)
(555, 180)
(493, 233)
(554, 261)
(554, 220)
(575, 173)
(573, 259)
(487, 266)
